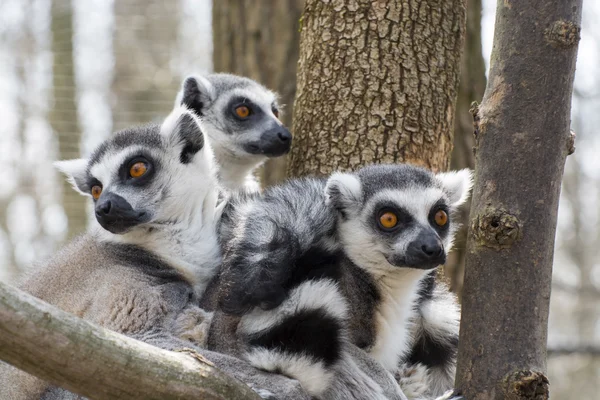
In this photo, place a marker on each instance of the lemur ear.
(76, 173)
(344, 192)
(183, 130)
(457, 185)
(196, 93)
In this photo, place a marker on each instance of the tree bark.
(470, 88)
(57, 347)
(522, 141)
(260, 39)
(63, 116)
(377, 82)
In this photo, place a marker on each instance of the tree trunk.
(522, 141)
(470, 88)
(57, 347)
(260, 39)
(145, 41)
(63, 116)
(377, 82)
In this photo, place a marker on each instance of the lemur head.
(239, 115)
(397, 215)
(145, 177)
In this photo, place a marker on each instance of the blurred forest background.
(72, 72)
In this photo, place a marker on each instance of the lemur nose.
(432, 249)
(104, 207)
(284, 136)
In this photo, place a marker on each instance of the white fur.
(398, 293)
(310, 295)
(457, 185)
(349, 187)
(312, 374)
(189, 243)
(75, 171)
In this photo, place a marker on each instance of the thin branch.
(570, 350)
(95, 362)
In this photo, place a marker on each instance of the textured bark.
(95, 362)
(521, 145)
(63, 116)
(145, 81)
(470, 88)
(260, 39)
(377, 82)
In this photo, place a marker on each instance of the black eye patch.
(125, 177)
(388, 218)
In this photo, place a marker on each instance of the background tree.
(523, 138)
(470, 88)
(145, 41)
(63, 116)
(377, 82)
(259, 39)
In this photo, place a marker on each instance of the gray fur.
(239, 145)
(270, 241)
(143, 282)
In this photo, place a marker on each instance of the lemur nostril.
(431, 250)
(105, 207)
(284, 137)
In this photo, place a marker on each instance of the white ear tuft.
(344, 192)
(76, 173)
(457, 185)
(196, 93)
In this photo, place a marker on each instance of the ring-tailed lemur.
(241, 119)
(299, 255)
(139, 273)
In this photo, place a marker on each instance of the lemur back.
(297, 257)
(241, 118)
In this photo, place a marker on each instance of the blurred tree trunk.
(145, 43)
(470, 88)
(377, 82)
(260, 39)
(63, 116)
(522, 141)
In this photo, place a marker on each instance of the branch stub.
(496, 228)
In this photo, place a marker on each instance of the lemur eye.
(138, 169)
(441, 218)
(276, 113)
(388, 220)
(96, 191)
(242, 111)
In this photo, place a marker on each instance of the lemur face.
(239, 115)
(397, 215)
(142, 177)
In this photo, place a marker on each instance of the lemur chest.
(391, 320)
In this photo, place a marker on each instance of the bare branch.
(571, 350)
(95, 362)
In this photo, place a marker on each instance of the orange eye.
(138, 169)
(276, 113)
(388, 220)
(96, 192)
(242, 111)
(441, 218)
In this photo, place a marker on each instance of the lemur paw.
(264, 393)
(451, 395)
(413, 379)
(193, 325)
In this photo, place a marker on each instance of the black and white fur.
(240, 145)
(303, 254)
(141, 269)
